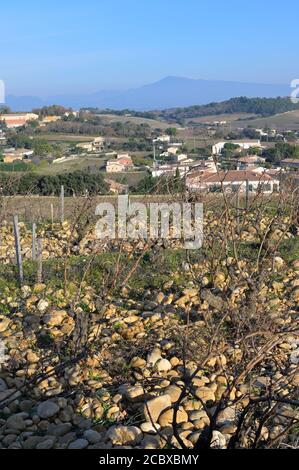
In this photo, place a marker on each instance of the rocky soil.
(209, 358)
(123, 388)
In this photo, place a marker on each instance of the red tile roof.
(125, 161)
(230, 176)
(252, 159)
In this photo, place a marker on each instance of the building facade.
(233, 181)
(17, 119)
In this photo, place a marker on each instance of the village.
(234, 164)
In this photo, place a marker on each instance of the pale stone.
(154, 357)
(218, 440)
(205, 394)
(163, 365)
(166, 418)
(153, 408)
(227, 416)
(122, 435)
(198, 414)
(278, 262)
(4, 322)
(174, 392)
(295, 380)
(42, 305)
(32, 358)
(294, 357)
(134, 393)
(138, 363)
(55, 318)
(150, 428)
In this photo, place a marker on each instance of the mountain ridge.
(169, 92)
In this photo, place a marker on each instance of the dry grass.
(288, 120)
(154, 123)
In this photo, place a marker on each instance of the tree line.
(280, 152)
(260, 106)
(77, 183)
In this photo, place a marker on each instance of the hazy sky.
(50, 47)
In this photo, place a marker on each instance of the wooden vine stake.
(33, 241)
(39, 260)
(62, 204)
(18, 248)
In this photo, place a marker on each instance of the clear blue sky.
(50, 47)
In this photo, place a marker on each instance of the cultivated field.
(288, 120)
(155, 124)
(79, 163)
(67, 138)
(221, 117)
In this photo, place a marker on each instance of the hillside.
(233, 109)
(258, 106)
(287, 120)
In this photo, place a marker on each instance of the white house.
(245, 145)
(250, 162)
(17, 119)
(233, 181)
(10, 155)
(182, 157)
(172, 150)
(122, 163)
(97, 145)
(170, 169)
(114, 166)
(162, 138)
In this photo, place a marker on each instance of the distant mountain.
(169, 92)
(23, 103)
